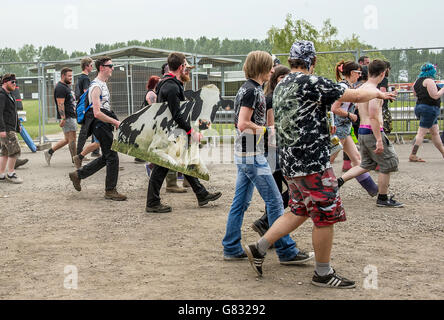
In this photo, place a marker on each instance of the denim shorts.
(427, 115)
(343, 131)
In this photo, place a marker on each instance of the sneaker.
(238, 257)
(13, 178)
(3, 179)
(209, 197)
(137, 160)
(114, 195)
(77, 161)
(300, 258)
(48, 157)
(255, 258)
(259, 227)
(75, 180)
(390, 203)
(160, 208)
(20, 162)
(332, 280)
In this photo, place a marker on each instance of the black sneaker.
(255, 258)
(20, 162)
(259, 227)
(238, 257)
(209, 197)
(300, 258)
(390, 203)
(332, 280)
(160, 208)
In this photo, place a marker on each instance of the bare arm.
(95, 97)
(61, 107)
(270, 118)
(432, 90)
(245, 120)
(366, 94)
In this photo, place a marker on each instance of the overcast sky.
(78, 25)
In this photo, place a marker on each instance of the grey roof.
(137, 52)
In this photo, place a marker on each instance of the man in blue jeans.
(252, 166)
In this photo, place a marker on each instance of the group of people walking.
(282, 145)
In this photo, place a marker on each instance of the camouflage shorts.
(317, 196)
(10, 146)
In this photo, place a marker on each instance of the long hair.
(278, 71)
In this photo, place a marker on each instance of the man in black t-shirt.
(81, 87)
(64, 99)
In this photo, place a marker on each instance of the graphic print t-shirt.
(300, 104)
(62, 90)
(250, 95)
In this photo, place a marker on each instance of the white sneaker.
(14, 178)
(48, 157)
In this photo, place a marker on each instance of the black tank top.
(423, 94)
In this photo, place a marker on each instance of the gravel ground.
(50, 232)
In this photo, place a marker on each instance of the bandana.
(11, 77)
(303, 50)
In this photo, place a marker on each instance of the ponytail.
(339, 70)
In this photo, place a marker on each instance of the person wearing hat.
(301, 102)
(427, 109)
(170, 89)
(9, 126)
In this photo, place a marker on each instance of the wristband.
(265, 130)
(189, 132)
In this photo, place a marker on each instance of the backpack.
(82, 107)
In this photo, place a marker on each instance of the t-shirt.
(63, 91)
(82, 84)
(250, 95)
(300, 104)
(104, 93)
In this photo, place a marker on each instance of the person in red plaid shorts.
(301, 102)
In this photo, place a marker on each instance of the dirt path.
(121, 252)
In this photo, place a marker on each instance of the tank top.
(423, 95)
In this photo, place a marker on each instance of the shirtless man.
(376, 148)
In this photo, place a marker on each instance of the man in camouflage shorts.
(9, 125)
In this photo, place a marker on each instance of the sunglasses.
(358, 72)
(109, 65)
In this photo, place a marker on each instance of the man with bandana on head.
(301, 102)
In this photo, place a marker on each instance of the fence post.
(128, 86)
(39, 82)
(222, 80)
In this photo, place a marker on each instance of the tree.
(325, 40)
(51, 53)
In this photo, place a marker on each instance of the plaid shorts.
(10, 146)
(317, 197)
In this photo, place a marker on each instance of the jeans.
(110, 159)
(156, 179)
(255, 172)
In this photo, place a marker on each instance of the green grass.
(32, 120)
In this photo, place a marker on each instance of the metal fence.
(128, 83)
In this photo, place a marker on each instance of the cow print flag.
(152, 135)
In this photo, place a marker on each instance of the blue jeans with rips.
(253, 172)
